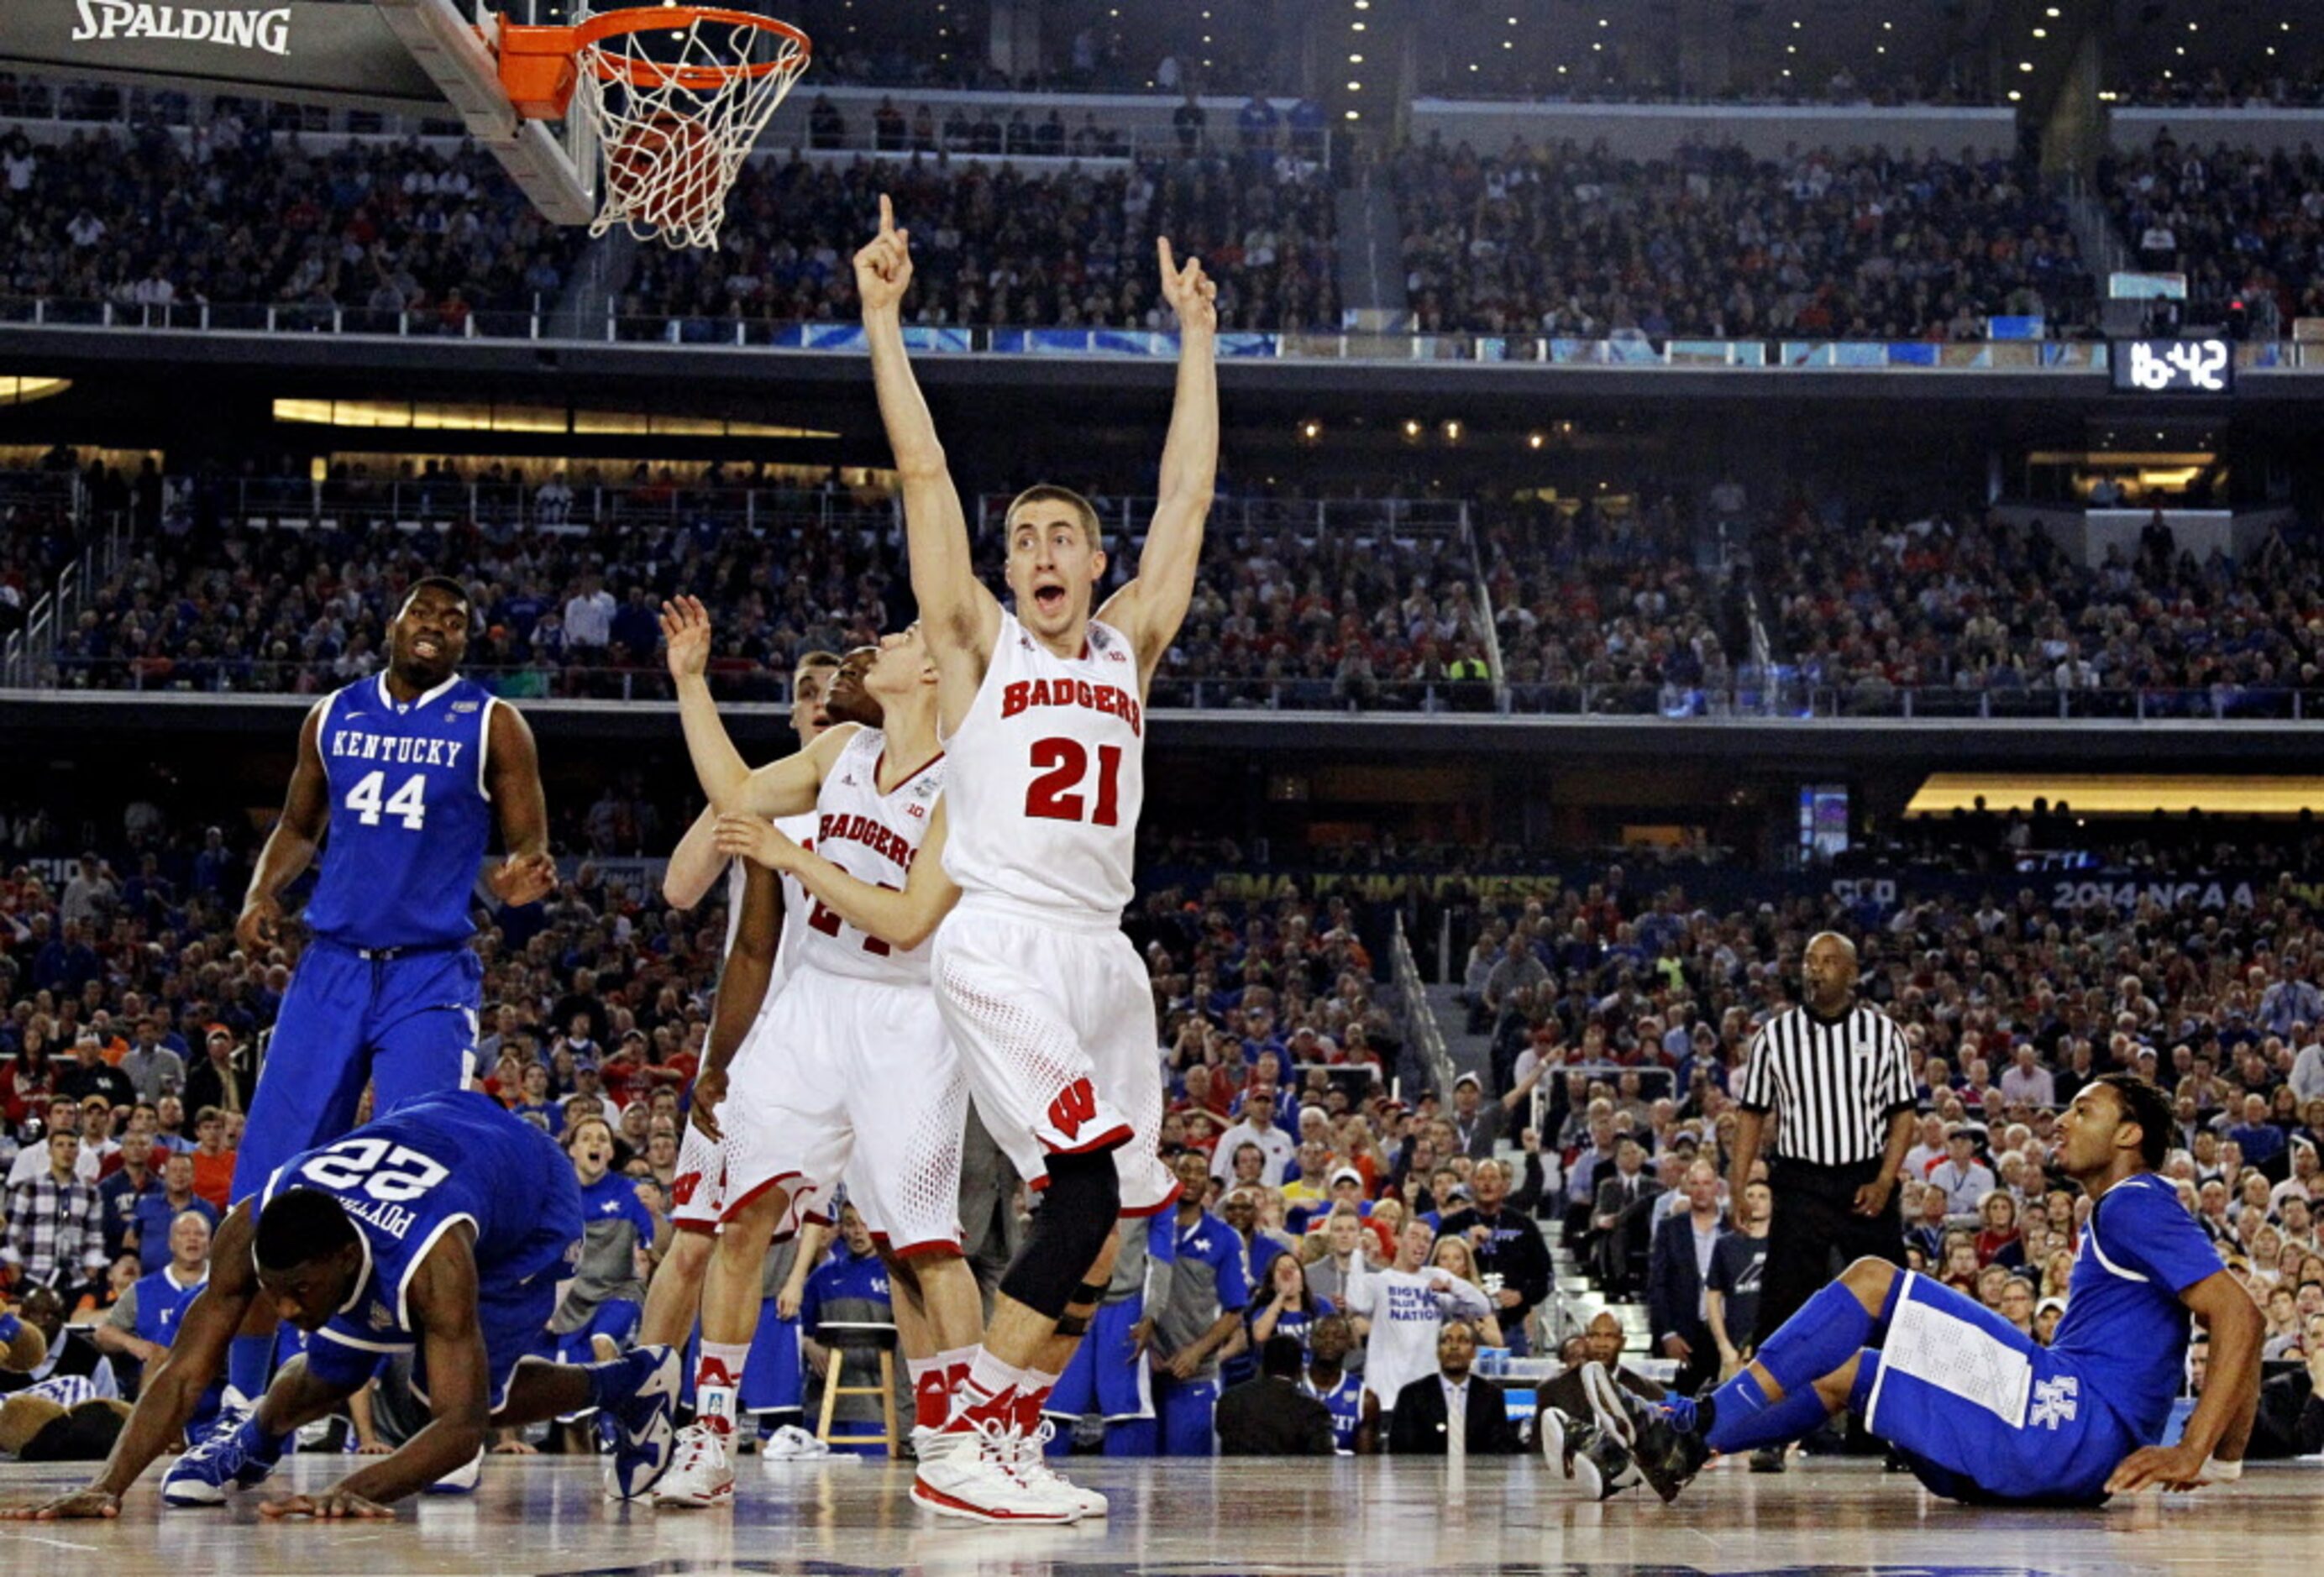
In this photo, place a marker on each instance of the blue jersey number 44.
(410, 802)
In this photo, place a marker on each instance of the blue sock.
(1829, 1329)
(615, 1380)
(246, 1361)
(1743, 1419)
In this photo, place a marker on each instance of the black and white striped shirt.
(1833, 1083)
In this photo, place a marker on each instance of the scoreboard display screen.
(2173, 366)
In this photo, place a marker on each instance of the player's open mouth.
(1049, 598)
(423, 646)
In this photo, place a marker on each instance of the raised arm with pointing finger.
(961, 619)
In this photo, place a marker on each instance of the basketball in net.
(667, 174)
(677, 96)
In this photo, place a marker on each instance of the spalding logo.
(104, 20)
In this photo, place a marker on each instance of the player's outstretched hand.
(2158, 1467)
(260, 926)
(686, 632)
(326, 1505)
(883, 267)
(709, 1094)
(1190, 291)
(752, 837)
(527, 878)
(79, 1504)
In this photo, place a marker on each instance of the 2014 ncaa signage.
(238, 29)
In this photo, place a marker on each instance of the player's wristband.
(2216, 1471)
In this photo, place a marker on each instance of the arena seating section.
(1878, 245)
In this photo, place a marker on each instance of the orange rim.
(540, 66)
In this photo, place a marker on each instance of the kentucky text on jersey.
(1026, 694)
(862, 829)
(357, 745)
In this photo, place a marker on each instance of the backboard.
(553, 163)
(419, 58)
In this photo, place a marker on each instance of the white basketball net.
(675, 125)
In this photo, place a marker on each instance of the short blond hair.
(1050, 492)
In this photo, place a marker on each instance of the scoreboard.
(2173, 366)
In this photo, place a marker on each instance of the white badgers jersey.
(1048, 774)
(874, 837)
(800, 830)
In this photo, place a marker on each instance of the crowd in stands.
(1859, 244)
(2286, 87)
(1603, 608)
(211, 604)
(999, 245)
(234, 212)
(1350, 618)
(2053, 838)
(569, 571)
(2243, 224)
(1976, 604)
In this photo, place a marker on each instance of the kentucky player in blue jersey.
(1979, 1411)
(398, 779)
(442, 1230)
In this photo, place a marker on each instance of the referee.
(1837, 1076)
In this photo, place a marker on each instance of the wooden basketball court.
(544, 1515)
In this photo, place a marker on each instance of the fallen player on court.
(1979, 1410)
(445, 1228)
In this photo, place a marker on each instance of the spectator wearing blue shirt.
(1327, 1379)
(155, 1210)
(142, 1323)
(118, 1194)
(2260, 1140)
(1209, 1288)
(598, 1318)
(846, 1307)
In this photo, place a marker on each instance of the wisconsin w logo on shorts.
(1075, 1105)
(2053, 1401)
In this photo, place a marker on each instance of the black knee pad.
(1069, 1231)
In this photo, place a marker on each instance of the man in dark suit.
(1620, 1227)
(1430, 1409)
(1676, 1267)
(1271, 1415)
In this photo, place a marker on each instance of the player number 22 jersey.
(874, 837)
(1048, 775)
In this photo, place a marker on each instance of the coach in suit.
(1677, 1270)
(1453, 1413)
(1271, 1415)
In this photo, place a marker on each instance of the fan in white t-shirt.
(1399, 1312)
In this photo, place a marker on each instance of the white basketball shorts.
(839, 1069)
(1054, 1019)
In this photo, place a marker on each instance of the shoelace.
(697, 1447)
(224, 1443)
(1031, 1463)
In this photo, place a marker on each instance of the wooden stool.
(885, 1337)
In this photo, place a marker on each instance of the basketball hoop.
(673, 96)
